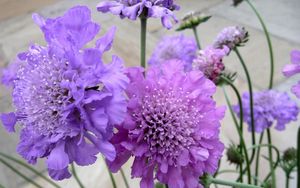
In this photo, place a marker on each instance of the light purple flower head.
(231, 37)
(134, 8)
(178, 47)
(209, 61)
(67, 100)
(292, 69)
(270, 107)
(171, 128)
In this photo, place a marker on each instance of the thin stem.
(242, 141)
(112, 178)
(277, 154)
(76, 176)
(251, 101)
(258, 157)
(227, 171)
(268, 41)
(143, 40)
(271, 158)
(197, 37)
(287, 180)
(298, 158)
(124, 178)
(1, 186)
(232, 184)
(19, 173)
(29, 168)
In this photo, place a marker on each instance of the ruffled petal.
(82, 153)
(291, 69)
(58, 158)
(59, 174)
(9, 121)
(295, 56)
(106, 41)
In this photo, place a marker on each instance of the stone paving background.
(282, 17)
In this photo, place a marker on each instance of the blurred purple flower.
(134, 8)
(172, 127)
(269, 107)
(178, 47)
(292, 69)
(66, 99)
(231, 37)
(209, 61)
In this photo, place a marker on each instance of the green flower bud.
(289, 155)
(234, 156)
(289, 160)
(192, 20)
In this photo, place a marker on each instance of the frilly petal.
(9, 121)
(58, 158)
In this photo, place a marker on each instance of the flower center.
(168, 119)
(38, 94)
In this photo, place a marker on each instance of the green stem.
(268, 41)
(143, 40)
(277, 153)
(197, 37)
(1, 186)
(241, 125)
(124, 178)
(112, 178)
(239, 130)
(29, 168)
(76, 176)
(19, 173)
(298, 158)
(287, 181)
(271, 158)
(251, 101)
(227, 171)
(257, 158)
(232, 184)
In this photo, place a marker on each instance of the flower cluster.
(172, 126)
(148, 8)
(66, 99)
(71, 106)
(269, 107)
(179, 48)
(209, 61)
(292, 69)
(231, 37)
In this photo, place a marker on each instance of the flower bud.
(289, 155)
(234, 156)
(289, 160)
(192, 20)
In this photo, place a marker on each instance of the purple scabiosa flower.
(292, 69)
(269, 107)
(209, 61)
(231, 37)
(172, 127)
(175, 48)
(67, 100)
(134, 8)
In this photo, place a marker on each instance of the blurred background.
(17, 31)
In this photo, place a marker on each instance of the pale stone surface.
(19, 31)
(281, 16)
